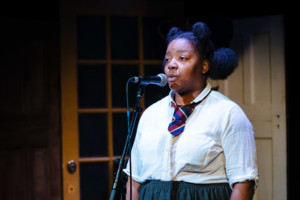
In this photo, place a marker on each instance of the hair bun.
(201, 30)
(173, 32)
(223, 63)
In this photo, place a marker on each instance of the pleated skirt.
(178, 190)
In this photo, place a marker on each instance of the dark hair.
(222, 61)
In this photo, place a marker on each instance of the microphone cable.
(129, 143)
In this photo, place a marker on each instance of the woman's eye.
(182, 58)
(167, 59)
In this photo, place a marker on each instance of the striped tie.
(181, 114)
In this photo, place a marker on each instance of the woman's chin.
(174, 86)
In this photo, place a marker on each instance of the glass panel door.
(110, 49)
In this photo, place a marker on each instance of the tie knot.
(181, 114)
(189, 106)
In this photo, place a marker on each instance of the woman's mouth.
(172, 78)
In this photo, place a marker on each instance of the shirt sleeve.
(239, 147)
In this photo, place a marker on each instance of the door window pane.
(91, 37)
(120, 75)
(120, 132)
(93, 181)
(91, 86)
(154, 33)
(124, 38)
(93, 135)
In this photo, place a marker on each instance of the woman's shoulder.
(220, 99)
(228, 107)
(222, 103)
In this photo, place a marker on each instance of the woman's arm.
(242, 191)
(135, 189)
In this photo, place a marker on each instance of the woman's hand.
(135, 189)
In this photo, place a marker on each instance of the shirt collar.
(200, 97)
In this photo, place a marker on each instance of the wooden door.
(102, 45)
(30, 165)
(258, 86)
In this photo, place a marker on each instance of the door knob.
(71, 166)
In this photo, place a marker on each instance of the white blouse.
(217, 145)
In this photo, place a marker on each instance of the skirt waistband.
(178, 184)
(177, 190)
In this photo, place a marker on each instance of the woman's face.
(183, 67)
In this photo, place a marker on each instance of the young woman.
(195, 143)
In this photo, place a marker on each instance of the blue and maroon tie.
(181, 114)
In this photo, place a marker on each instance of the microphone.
(160, 80)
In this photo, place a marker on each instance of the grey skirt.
(178, 190)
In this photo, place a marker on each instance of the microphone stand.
(137, 110)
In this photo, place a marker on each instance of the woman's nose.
(172, 64)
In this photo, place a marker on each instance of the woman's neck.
(186, 98)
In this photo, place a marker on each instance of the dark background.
(42, 25)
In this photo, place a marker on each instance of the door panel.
(30, 165)
(265, 160)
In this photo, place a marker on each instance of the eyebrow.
(179, 51)
(182, 50)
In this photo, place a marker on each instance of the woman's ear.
(205, 66)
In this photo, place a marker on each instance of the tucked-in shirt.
(216, 146)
